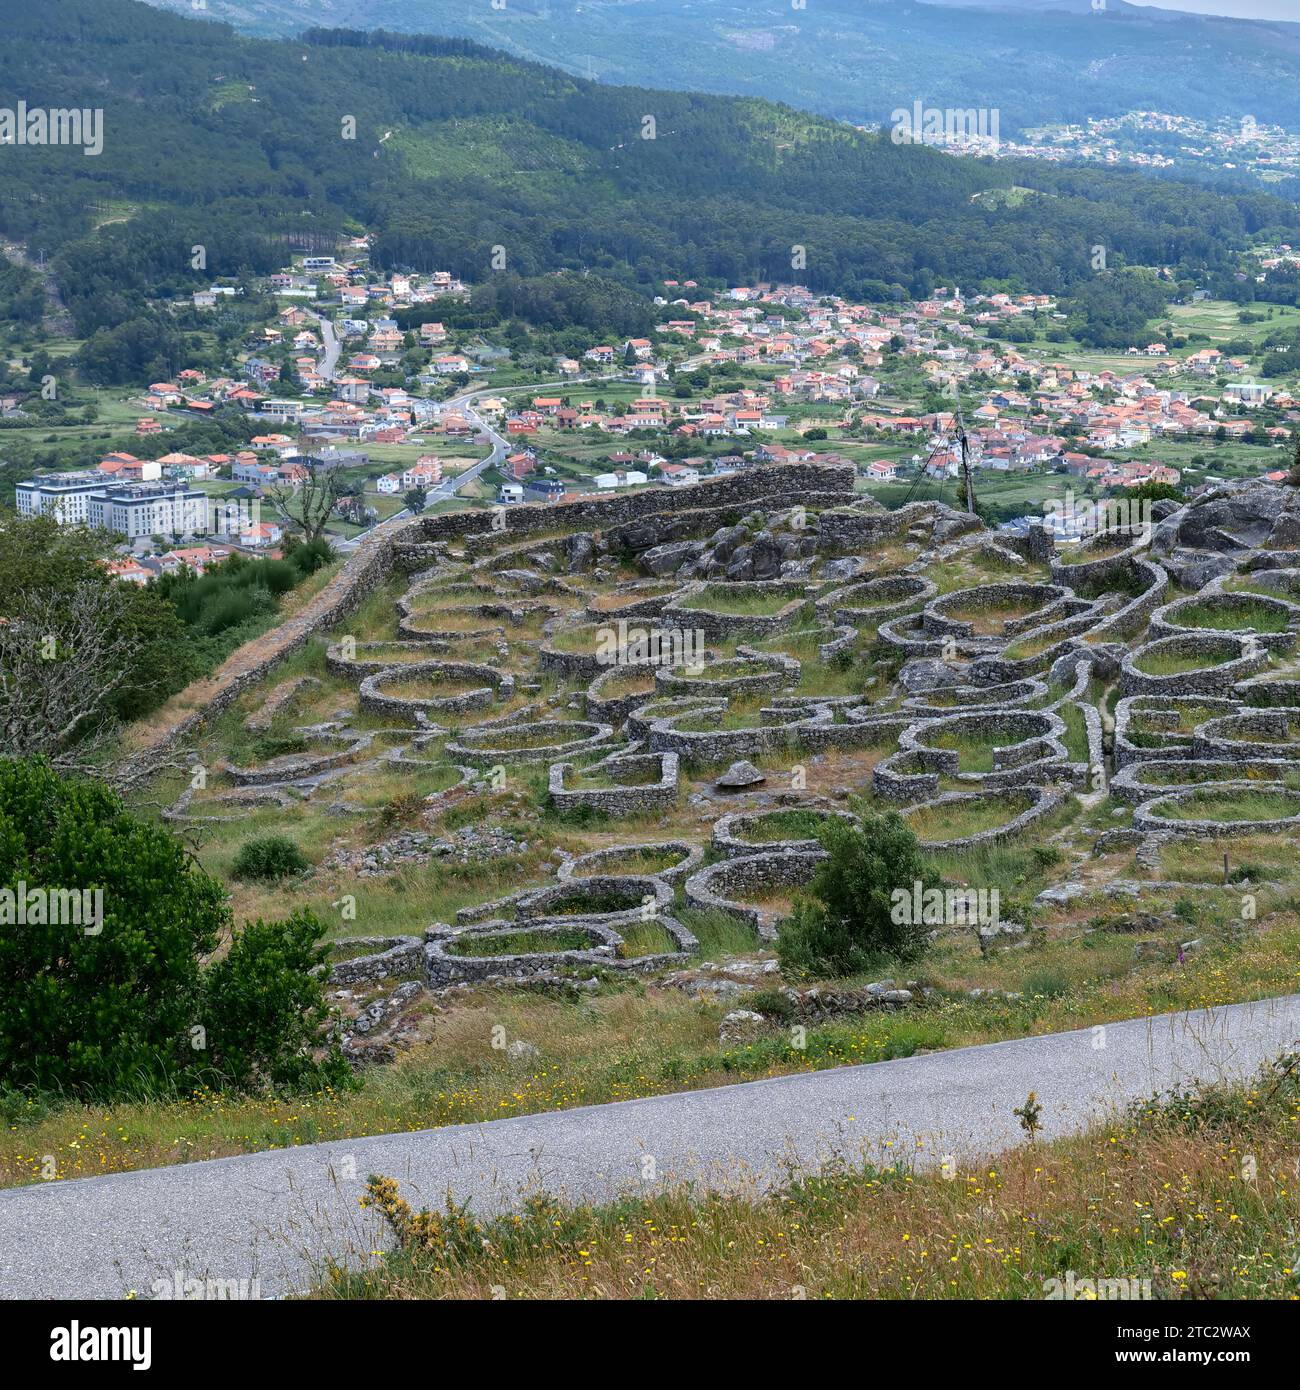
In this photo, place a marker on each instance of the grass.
(645, 939)
(1233, 806)
(639, 861)
(1159, 1195)
(1171, 663)
(990, 619)
(1081, 555)
(957, 819)
(583, 902)
(525, 738)
(606, 778)
(721, 598)
(1033, 645)
(632, 680)
(975, 750)
(1144, 731)
(1076, 731)
(785, 825)
(521, 943)
(1230, 614)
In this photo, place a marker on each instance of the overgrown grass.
(521, 943)
(1173, 663)
(954, 820)
(722, 598)
(1232, 806)
(1231, 614)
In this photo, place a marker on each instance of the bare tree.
(310, 504)
(62, 660)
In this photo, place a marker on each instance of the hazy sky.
(1240, 9)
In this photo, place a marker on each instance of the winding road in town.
(275, 1217)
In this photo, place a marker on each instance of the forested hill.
(234, 144)
(1034, 60)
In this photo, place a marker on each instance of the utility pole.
(965, 455)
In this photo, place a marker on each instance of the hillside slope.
(1034, 60)
(447, 151)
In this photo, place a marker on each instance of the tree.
(848, 923)
(118, 1000)
(1293, 477)
(415, 499)
(79, 651)
(310, 505)
(104, 1010)
(1151, 491)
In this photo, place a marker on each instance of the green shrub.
(772, 1003)
(97, 1010)
(263, 1007)
(120, 1003)
(269, 858)
(848, 925)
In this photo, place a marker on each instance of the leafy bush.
(263, 1006)
(847, 924)
(120, 1002)
(269, 858)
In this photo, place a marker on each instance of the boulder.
(841, 571)
(929, 673)
(581, 552)
(740, 775)
(741, 1025)
(948, 527)
(666, 559)
(1235, 517)
(1193, 569)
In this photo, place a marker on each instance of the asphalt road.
(274, 1216)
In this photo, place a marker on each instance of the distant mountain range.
(1034, 61)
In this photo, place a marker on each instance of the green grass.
(720, 598)
(521, 943)
(974, 750)
(1232, 806)
(1031, 645)
(1076, 732)
(719, 933)
(1170, 663)
(645, 939)
(785, 825)
(1230, 614)
(958, 819)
